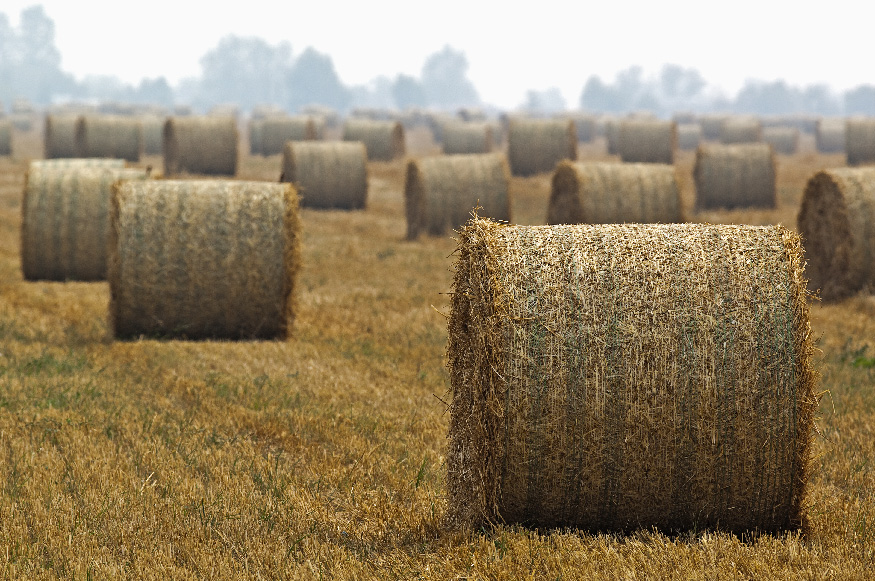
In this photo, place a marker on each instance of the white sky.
(511, 47)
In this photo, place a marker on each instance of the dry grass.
(323, 456)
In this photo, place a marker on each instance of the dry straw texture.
(200, 145)
(735, 176)
(741, 130)
(837, 224)
(153, 135)
(59, 137)
(65, 220)
(537, 145)
(467, 137)
(441, 192)
(5, 137)
(783, 140)
(689, 136)
(860, 141)
(384, 140)
(203, 259)
(109, 136)
(829, 135)
(611, 193)
(276, 131)
(618, 377)
(327, 174)
(647, 141)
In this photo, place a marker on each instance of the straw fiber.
(59, 136)
(647, 141)
(327, 174)
(860, 141)
(203, 259)
(537, 145)
(276, 131)
(384, 140)
(741, 130)
(784, 140)
(467, 137)
(829, 135)
(618, 377)
(109, 136)
(200, 145)
(735, 176)
(5, 137)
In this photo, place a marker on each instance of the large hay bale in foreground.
(829, 135)
(536, 145)
(327, 174)
(611, 193)
(200, 145)
(384, 140)
(467, 137)
(741, 130)
(617, 377)
(59, 136)
(860, 141)
(735, 176)
(5, 137)
(276, 131)
(153, 135)
(109, 136)
(835, 221)
(65, 220)
(441, 192)
(203, 259)
(689, 136)
(783, 140)
(647, 141)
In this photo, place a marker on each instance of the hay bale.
(59, 136)
(65, 220)
(327, 174)
(617, 377)
(203, 259)
(276, 131)
(689, 136)
(860, 140)
(467, 137)
(256, 128)
(153, 134)
(783, 140)
(5, 137)
(537, 145)
(200, 145)
(712, 125)
(829, 135)
(384, 140)
(835, 221)
(735, 176)
(440, 192)
(586, 127)
(610, 193)
(612, 136)
(647, 141)
(741, 130)
(109, 136)
(75, 163)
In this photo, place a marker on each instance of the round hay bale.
(689, 136)
(109, 136)
(783, 140)
(585, 125)
(836, 223)
(384, 140)
(617, 377)
(327, 174)
(256, 130)
(440, 192)
(613, 193)
(735, 176)
(467, 137)
(200, 145)
(712, 125)
(203, 259)
(276, 131)
(153, 135)
(860, 141)
(612, 136)
(5, 137)
(829, 135)
(741, 130)
(536, 145)
(75, 163)
(59, 136)
(647, 141)
(65, 220)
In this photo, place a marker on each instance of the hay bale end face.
(441, 192)
(735, 176)
(835, 221)
(647, 141)
(59, 136)
(203, 259)
(109, 136)
(463, 137)
(200, 145)
(609, 193)
(599, 380)
(860, 141)
(829, 135)
(384, 140)
(537, 145)
(327, 174)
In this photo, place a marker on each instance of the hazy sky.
(511, 47)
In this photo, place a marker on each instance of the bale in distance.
(384, 140)
(202, 259)
(200, 145)
(599, 380)
(537, 145)
(5, 137)
(612, 136)
(59, 136)
(783, 140)
(75, 163)
(611, 193)
(712, 125)
(647, 141)
(153, 134)
(741, 130)
(65, 220)
(735, 176)
(689, 136)
(835, 221)
(441, 191)
(860, 140)
(829, 135)
(460, 137)
(109, 136)
(327, 174)
(276, 131)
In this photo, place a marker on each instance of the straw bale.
(829, 135)
(836, 223)
(5, 137)
(440, 192)
(610, 193)
(860, 140)
(65, 220)
(735, 176)
(384, 140)
(712, 125)
(585, 125)
(109, 136)
(200, 145)
(783, 140)
(203, 259)
(59, 137)
(75, 163)
(153, 134)
(617, 377)
(612, 136)
(467, 137)
(689, 136)
(647, 141)
(327, 174)
(537, 145)
(741, 130)
(471, 114)
(256, 130)
(276, 131)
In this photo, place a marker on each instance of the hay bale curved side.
(75, 163)
(59, 136)
(837, 224)
(783, 140)
(462, 137)
(712, 125)
(612, 136)
(153, 135)
(5, 137)
(276, 131)
(327, 174)
(647, 141)
(536, 145)
(200, 145)
(829, 135)
(203, 259)
(109, 136)
(735, 176)
(599, 380)
(689, 136)
(384, 140)
(65, 220)
(440, 192)
(860, 141)
(741, 130)
(611, 193)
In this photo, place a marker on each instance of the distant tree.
(7, 58)
(820, 99)
(30, 63)
(629, 92)
(772, 98)
(445, 81)
(408, 92)
(860, 100)
(155, 91)
(545, 102)
(245, 71)
(599, 96)
(313, 80)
